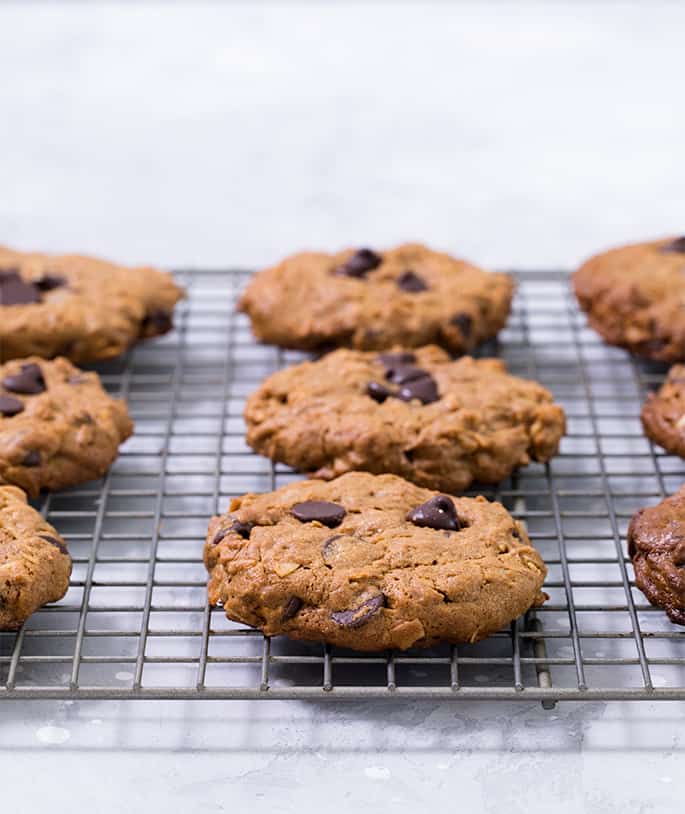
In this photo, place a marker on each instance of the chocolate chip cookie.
(371, 562)
(58, 427)
(656, 545)
(634, 297)
(408, 296)
(34, 562)
(663, 414)
(439, 423)
(79, 307)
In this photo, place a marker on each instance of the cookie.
(663, 414)
(634, 297)
(439, 423)
(408, 296)
(34, 562)
(79, 307)
(656, 545)
(58, 427)
(371, 562)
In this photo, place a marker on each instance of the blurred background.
(208, 134)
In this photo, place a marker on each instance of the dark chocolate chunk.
(57, 543)
(464, 322)
(677, 246)
(31, 458)
(243, 529)
(330, 514)
(356, 617)
(48, 282)
(437, 513)
(424, 389)
(411, 282)
(158, 320)
(360, 264)
(378, 392)
(401, 374)
(14, 290)
(10, 406)
(292, 607)
(400, 358)
(29, 381)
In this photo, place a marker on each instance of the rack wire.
(135, 622)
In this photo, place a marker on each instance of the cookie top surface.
(407, 296)
(79, 307)
(437, 422)
(58, 426)
(34, 562)
(663, 413)
(656, 545)
(634, 297)
(371, 562)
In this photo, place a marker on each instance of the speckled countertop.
(518, 134)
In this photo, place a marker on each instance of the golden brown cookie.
(34, 562)
(439, 423)
(58, 427)
(79, 307)
(656, 545)
(371, 562)
(634, 297)
(409, 296)
(663, 414)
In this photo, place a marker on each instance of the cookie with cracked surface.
(409, 296)
(663, 414)
(58, 426)
(79, 307)
(371, 562)
(34, 562)
(437, 422)
(634, 297)
(656, 545)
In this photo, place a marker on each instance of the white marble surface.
(516, 133)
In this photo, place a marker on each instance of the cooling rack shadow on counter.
(135, 623)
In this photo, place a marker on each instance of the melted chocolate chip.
(424, 389)
(29, 381)
(243, 529)
(48, 282)
(158, 321)
(411, 282)
(464, 322)
(378, 392)
(360, 264)
(57, 543)
(677, 246)
(292, 607)
(400, 358)
(401, 374)
(436, 513)
(356, 617)
(329, 514)
(14, 290)
(32, 458)
(10, 406)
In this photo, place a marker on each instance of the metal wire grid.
(135, 623)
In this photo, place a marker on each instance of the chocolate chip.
(411, 282)
(400, 358)
(158, 320)
(464, 322)
(29, 381)
(424, 389)
(378, 392)
(356, 617)
(436, 513)
(14, 290)
(401, 374)
(292, 607)
(243, 529)
(360, 264)
(330, 514)
(10, 406)
(48, 282)
(31, 458)
(677, 246)
(57, 543)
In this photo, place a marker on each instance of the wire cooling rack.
(135, 623)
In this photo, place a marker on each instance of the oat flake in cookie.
(34, 562)
(634, 297)
(440, 423)
(58, 427)
(385, 565)
(656, 545)
(368, 299)
(79, 307)
(663, 414)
